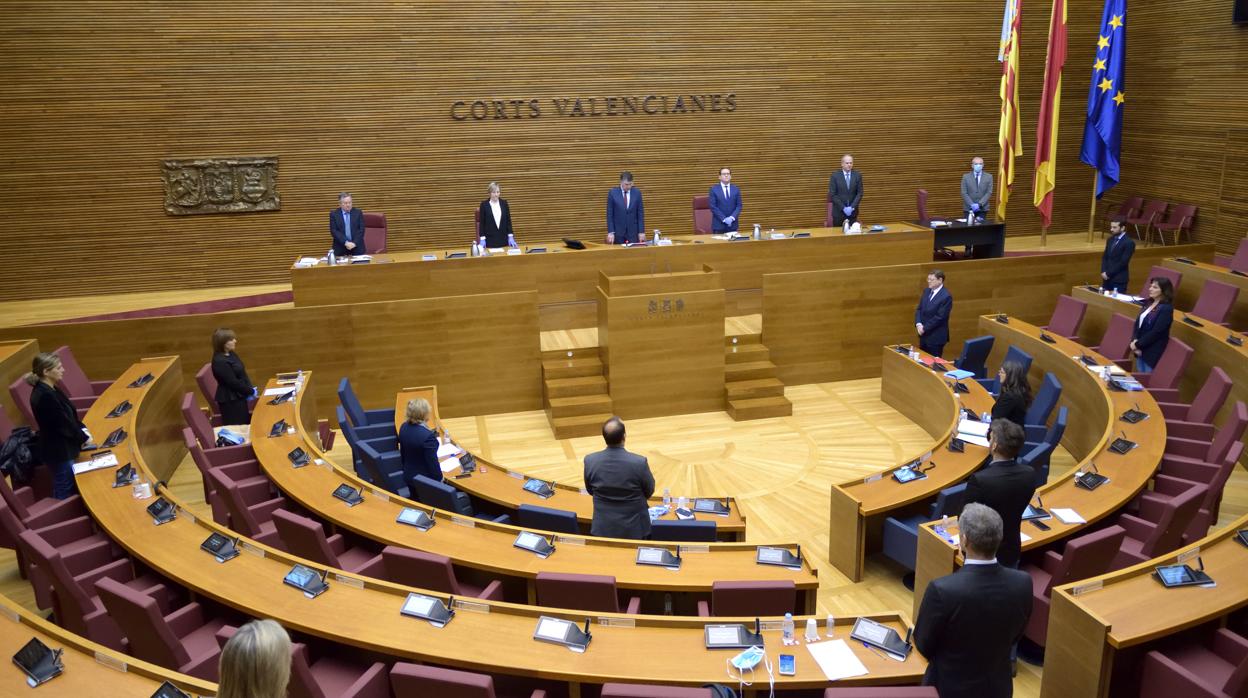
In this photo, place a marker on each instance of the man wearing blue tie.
(346, 226)
(1116, 259)
(931, 318)
(626, 218)
(725, 201)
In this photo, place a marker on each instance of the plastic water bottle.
(667, 497)
(786, 630)
(845, 226)
(831, 627)
(758, 232)
(330, 256)
(812, 630)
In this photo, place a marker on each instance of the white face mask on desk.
(746, 661)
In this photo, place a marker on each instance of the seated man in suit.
(1004, 485)
(968, 620)
(845, 192)
(725, 201)
(1116, 259)
(621, 484)
(931, 318)
(418, 444)
(494, 218)
(976, 189)
(626, 217)
(346, 226)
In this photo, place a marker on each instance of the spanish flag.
(1050, 102)
(1009, 135)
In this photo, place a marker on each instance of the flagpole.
(1092, 213)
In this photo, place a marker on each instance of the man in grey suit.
(845, 192)
(976, 189)
(621, 484)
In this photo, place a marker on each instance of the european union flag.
(1102, 134)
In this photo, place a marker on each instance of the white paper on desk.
(935, 223)
(96, 464)
(1067, 516)
(966, 426)
(278, 391)
(449, 449)
(1023, 537)
(836, 659)
(450, 464)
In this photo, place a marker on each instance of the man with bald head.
(621, 484)
(845, 192)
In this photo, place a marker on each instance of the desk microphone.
(586, 631)
(677, 552)
(1201, 562)
(799, 551)
(1093, 469)
(909, 632)
(1039, 502)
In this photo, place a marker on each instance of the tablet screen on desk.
(907, 474)
(1175, 574)
(553, 629)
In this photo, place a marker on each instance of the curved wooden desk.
(860, 506)
(363, 612)
(90, 669)
(507, 491)
(1093, 425)
(1194, 277)
(1092, 622)
(15, 358)
(486, 546)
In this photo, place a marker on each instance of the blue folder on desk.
(958, 374)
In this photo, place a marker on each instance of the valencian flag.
(1009, 135)
(1102, 134)
(1050, 104)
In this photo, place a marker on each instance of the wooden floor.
(779, 469)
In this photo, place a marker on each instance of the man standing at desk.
(346, 225)
(621, 484)
(626, 217)
(845, 191)
(931, 318)
(725, 201)
(1116, 259)
(976, 189)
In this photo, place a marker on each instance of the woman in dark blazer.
(418, 444)
(1015, 396)
(61, 434)
(495, 220)
(1152, 327)
(234, 388)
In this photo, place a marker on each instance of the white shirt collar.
(936, 290)
(969, 561)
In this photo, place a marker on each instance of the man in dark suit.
(968, 620)
(626, 217)
(346, 225)
(725, 201)
(845, 191)
(931, 318)
(1004, 485)
(621, 484)
(1116, 259)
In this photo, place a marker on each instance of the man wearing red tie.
(931, 318)
(725, 203)
(626, 218)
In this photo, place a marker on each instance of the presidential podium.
(661, 341)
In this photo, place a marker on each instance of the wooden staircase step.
(748, 370)
(575, 385)
(579, 425)
(759, 408)
(576, 405)
(745, 353)
(570, 368)
(578, 353)
(759, 387)
(743, 339)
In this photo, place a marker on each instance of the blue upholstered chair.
(1052, 437)
(683, 531)
(901, 534)
(1035, 423)
(385, 469)
(356, 412)
(442, 496)
(380, 442)
(991, 384)
(546, 519)
(1037, 457)
(974, 356)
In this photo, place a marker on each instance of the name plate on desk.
(428, 258)
(513, 251)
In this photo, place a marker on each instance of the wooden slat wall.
(1233, 202)
(356, 95)
(1186, 88)
(490, 365)
(829, 325)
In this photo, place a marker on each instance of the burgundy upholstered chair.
(586, 592)
(1181, 454)
(750, 599)
(215, 499)
(305, 538)
(20, 392)
(634, 690)
(252, 518)
(1195, 421)
(6, 425)
(1162, 531)
(1116, 342)
(81, 390)
(420, 680)
(1239, 262)
(1067, 315)
(1120, 213)
(202, 428)
(75, 604)
(208, 388)
(77, 539)
(375, 232)
(1086, 556)
(37, 513)
(1176, 277)
(1166, 486)
(920, 206)
(184, 640)
(702, 215)
(1170, 367)
(1149, 215)
(326, 434)
(435, 572)
(1217, 668)
(1178, 221)
(882, 692)
(334, 677)
(1215, 302)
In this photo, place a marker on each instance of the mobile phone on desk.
(1039, 524)
(788, 665)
